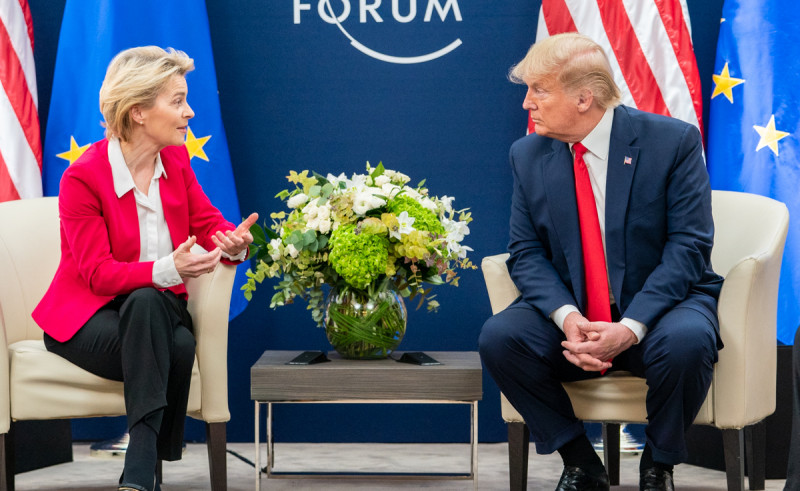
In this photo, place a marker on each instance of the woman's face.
(167, 121)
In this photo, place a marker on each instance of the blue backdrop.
(297, 94)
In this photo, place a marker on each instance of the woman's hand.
(233, 242)
(191, 265)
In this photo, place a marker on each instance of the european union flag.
(92, 32)
(754, 122)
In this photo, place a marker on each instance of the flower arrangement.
(368, 233)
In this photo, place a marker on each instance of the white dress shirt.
(597, 143)
(155, 241)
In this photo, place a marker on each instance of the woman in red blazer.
(131, 209)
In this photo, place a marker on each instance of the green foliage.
(366, 234)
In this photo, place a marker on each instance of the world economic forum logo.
(370, 11)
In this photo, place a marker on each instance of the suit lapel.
(622, 158)
(559, 182)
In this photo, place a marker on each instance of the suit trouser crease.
(522, 351)
(145, 340)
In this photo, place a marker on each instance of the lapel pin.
(628, 161)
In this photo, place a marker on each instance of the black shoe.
(576, 479)
(655, 479)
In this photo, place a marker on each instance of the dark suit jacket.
(659, 230)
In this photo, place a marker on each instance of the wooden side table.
(457, 380)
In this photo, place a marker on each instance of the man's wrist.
(559, 315)
(637, 328)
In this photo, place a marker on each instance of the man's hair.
(135, 77)
(574, 61)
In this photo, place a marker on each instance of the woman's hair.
(135, 77)
(573, 60)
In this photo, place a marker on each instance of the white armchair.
(750, 232)
(37, 385)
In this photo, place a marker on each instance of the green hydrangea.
(424, 218)
(358, 258)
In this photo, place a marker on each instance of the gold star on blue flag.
(753, 136)
(92, 32)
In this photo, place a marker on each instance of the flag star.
(74, 151)
(770, 136)
(195, 145)
(724, 83)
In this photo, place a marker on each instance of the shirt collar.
(123, 181)
(599, 139)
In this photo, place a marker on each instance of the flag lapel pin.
(627, 161)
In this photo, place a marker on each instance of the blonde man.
(610, 242)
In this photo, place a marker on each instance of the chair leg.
(733, 445)
(160, 471)
(755, 440)
(7, 462)
(216, 442)
(611, 451)
(518, 439)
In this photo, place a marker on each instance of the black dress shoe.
(655, 479)
(576, 479)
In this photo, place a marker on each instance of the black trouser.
(145, 340)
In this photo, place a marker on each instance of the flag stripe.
(662, 58)
(557, 17)
(12, 78)
(26, 13)
(656, 70)
(19, 25)
(20, 142)
(587, 19)
(641, 81)
(7, 190)
(23, 169)
(677, 29)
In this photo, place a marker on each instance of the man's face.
(554, 112)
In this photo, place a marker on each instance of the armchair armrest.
(747, 313)
(209, 303)
(502, 290)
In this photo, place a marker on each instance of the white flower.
(454, 231)
(396, 177)
(275, 249)
(335, 180)
(324, 218)
(411, 193)
(358, 181)
(460, 250)
(297, 200)
(428, 203)
(447, 203)
(390, 190)
(364, 201)
(292, 250)
(324, 226)
(381, 180)
(405, 226)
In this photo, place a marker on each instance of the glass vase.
(365, 327)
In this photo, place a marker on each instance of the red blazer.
(100, 236)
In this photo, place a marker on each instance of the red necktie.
(598, 307)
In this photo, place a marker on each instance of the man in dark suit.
(651, 307)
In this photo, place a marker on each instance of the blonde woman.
(131, 209)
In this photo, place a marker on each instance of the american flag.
(20, 142)
(649, 45)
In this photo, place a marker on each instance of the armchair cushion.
(44, 385)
